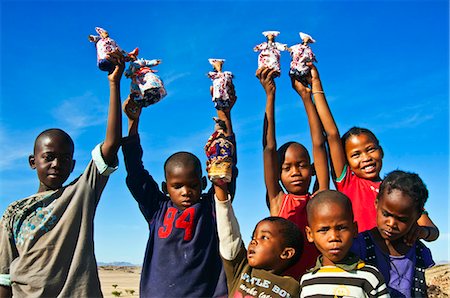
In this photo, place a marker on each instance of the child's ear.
(31, 161)
(164, 187)
(204, 183)
(382, 152)
(287, 253)
(309, 235)
(313, 170)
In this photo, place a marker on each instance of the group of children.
(308, 247)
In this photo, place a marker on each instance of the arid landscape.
(123, 281)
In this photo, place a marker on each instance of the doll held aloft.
(146, 87)
(270, 54)
(301, 55)
(105, 46)
(222, 80)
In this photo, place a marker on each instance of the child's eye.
(322, 230)
(354, 155)
(341, 228)
(49, 157)
(264, 237)
(403, 219)
(286, 169)
(385, 214)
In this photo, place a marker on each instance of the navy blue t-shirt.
(182, 256)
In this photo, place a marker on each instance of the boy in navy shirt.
(182, 256)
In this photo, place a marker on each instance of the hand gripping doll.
(105, 46)
(219, 152)
(146, 87)
(301, 54)
(269, 55)
(220, 89)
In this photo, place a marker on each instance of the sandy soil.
(127, 279)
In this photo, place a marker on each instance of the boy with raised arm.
(46, 240)
(182, 255)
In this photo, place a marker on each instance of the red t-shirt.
(362, 193)
(293, 208)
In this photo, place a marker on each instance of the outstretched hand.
(118, 59)
(265, 76)
(132, 109)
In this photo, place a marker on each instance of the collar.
(349, 263)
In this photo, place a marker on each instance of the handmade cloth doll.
(105, 46)
(219, 152)
(146, 87)
(301, 54)
(220, 89)
(269, 55)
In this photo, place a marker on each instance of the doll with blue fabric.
(147, 88)
(220, 89)
(301, 54)
(105, 47)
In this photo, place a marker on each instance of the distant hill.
(116, 264)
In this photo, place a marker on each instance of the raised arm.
(317, 136)
(337, 152)
(114, 127)
(271, 163)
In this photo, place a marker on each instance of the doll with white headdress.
(105, 46)
(146, 88)
(269, 55)
(301, 55)
(222, 81)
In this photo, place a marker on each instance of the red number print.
(185, 221)
(164, 231)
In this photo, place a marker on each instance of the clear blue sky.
(384, 65)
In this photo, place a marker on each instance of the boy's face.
(266, 247)
(332, 231)
(396, 214)
(184, 186)
(364, 156)
(296, 170)
(53, 161)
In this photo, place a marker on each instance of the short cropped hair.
(291, 234)
(356, 131)
(52, 132)
(281, 152)
(183, 159)
(409, 184)
(326, 197)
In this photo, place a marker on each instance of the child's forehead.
(330, 209)
(53, 142)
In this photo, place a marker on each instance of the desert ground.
(123, 281)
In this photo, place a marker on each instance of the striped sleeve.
(332, 281)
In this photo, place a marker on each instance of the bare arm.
(337, 153)
(317, 136)
(114, 127)
(271, 163)
(5, 292)
(424, 229)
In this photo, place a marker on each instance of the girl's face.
(364, 156)
(396, 214)
(296, 170)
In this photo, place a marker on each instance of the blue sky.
(384, 65)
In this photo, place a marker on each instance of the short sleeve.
(8, 251)
(100, 163)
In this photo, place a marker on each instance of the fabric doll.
(220, 89)
(106, 45)
(219, 152)
(301, 54)
(269, 55)
(146, 87)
